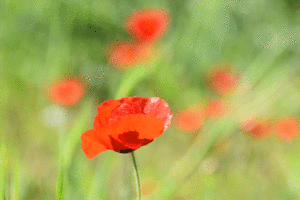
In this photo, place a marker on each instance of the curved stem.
(137, 176)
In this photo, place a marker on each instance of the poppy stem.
(137, 176)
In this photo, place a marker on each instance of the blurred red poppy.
(223, 81)
(67, 92)
(256, 129)
(126, 124)
(124, 55)
(216, 108)
(190, 119)
(287, 129)
(147, 24)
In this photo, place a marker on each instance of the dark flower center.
(126, 150)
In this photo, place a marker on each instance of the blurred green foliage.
(41, 41)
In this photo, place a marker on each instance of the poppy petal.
(141, 101)
(129, 106)
(136, 130)
(118, 146)
(125, 109)
(159, 108)
(90, 145)
(132, 138)
(124, 100)
(104, 111)
(147, 126)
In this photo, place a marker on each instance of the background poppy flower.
(216, 108)
(287, 129)
(126, 124)
(190, 119)
(256, 129)
(127, 54)
(67, 92)
(148, 24)
(223, 81)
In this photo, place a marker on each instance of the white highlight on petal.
(168, 121)
(54, 116)
(159, 108)
(154, 99)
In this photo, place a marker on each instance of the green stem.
(59, 183)
(137, 176)
(60, 178)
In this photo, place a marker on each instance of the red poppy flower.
(67, 92)
(147, 24)
(258, 130)
(124, 55)
(223, 81)
(216, 108)
(287, 129)
(190, 119)
(126, 124)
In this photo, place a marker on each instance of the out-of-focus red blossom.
(124, 55)
(287, 128)
(190, 119)
(67, 92)
(217, 108)
(147, 24)
(126, 124)
(256, 129)
(223, 80)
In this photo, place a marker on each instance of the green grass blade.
(59, 184)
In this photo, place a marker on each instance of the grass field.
(40, 154)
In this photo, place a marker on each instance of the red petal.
(124, 100)
(90, 145)
(141, 101)
(119, 146)
(160, 109)
(104, 112)
(132, 138)
(129, 106)
(134, 131)
(125, 109)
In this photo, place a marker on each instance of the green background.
(41, 41)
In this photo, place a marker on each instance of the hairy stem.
(137, 176)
